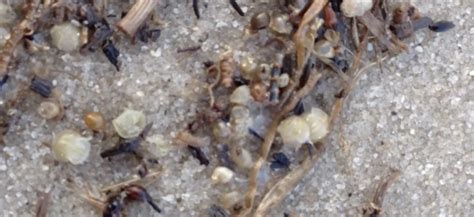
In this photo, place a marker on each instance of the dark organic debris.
(116, 202)
(145, 34)
(280, 161)
(237, 7)
(196, 8)
(4, 80)
(198, 154)
(441, 26)
(127, 146)
(217, 211)
(256, 134)
(224, 157)
(274, 89)
(112, 53)
(41, 86)
(299, 108)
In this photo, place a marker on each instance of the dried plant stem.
(34, 11)
(136, 16)
(268, 140)
(313, 10)
(279, 191)
(215, 83)
(150, 176)
(377, 28)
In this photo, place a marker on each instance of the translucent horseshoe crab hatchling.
(130, 123)
(70, 146)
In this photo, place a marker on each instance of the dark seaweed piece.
(237, 7)
(4, 80)
(112, 53)
(280, 161)
(299, 108)
(145, 34)
(217, 211)
(254, 133)
(113, 206)
(239, 81)
(223, 156)
(41, 86)
(441, 26)
(196, 8)
(341, 63)
(288, 64)
(127, 146)
(198, 154)
(139, 193)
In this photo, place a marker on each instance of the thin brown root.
(374, 207)
(377, 28)
(43, 204)
(185, 138)
(34, 12)
(210, 88)
(268, 140)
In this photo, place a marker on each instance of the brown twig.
(268, 140)
(43, 204)
(151, 176)
(34, 11)
(377, 28)
(374, 208)
(313, 10)
(136, 16)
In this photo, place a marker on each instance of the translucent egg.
(70, 146)
(318, 122)
(129, 124)
(294, 131)
(48, 110)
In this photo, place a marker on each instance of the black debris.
(441, 26)
(280, 161)
(41, 86)
(237, 7)
(217, 211)
(198, 154)
(112, 53)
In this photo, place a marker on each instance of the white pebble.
(352, 8)
(222, 175)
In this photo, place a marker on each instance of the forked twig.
(269, 137)
(150, 177)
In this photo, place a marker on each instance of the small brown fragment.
(43, 204)
(94, 121)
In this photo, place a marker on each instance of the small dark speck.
(393, 113)
(349, 194)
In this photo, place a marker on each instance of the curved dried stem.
(34, 11)
(313, 10)
(269, 137)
